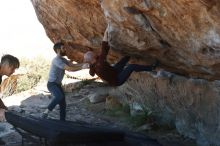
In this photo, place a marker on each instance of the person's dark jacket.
(102, 68)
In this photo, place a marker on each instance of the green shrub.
(138, 120)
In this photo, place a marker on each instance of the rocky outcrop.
(80, 24)
(183, 35)
(190, 105)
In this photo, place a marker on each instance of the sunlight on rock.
(14, 100)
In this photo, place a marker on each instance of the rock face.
(80, 24)
(183, 35)
(191, 105)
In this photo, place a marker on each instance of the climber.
(117, 74)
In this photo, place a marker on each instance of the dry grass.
(32, 72)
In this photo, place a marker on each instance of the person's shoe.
(155, 65)
(45, 114)
(163, 74)
(127, 58)
(2, 142)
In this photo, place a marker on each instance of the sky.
(21, 34)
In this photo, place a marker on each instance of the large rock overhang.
(183, 35)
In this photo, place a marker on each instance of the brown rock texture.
(79, 24)
(183, 35)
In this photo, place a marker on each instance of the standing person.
(57, 70)
(114, 75)
(7, 67)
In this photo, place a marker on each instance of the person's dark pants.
(123, 72)
(2, 142)
(58, 98)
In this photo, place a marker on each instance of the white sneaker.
(163, 74)
(45, 114)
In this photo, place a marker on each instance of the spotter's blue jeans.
(58, 98)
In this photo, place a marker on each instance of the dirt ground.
(79, 108)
